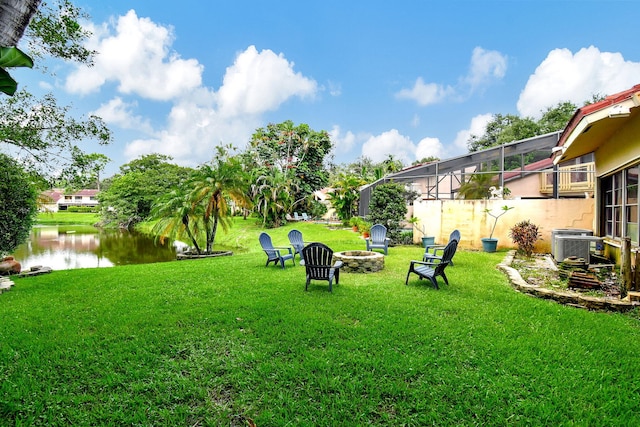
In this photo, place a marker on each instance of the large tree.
(17, 204)
(132, 192)
(345, 195)
(298, 152)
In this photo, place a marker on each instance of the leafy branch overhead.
(11, 57)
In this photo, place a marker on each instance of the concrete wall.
(440, 217)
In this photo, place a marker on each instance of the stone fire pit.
(360, 261)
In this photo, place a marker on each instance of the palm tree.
(215, 185)
(345, 195)
(176, 217)
(274, 194)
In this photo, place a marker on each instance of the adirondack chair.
(305, 217)
(435, 267)
(318, 264)
(275, 254)
(296, 216)
(295, 238)
(431, 251)
(378, 238)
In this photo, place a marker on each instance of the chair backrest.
(318, 259)
(455, 235)
(295, 238)
(447, 255)
(265, 242)
(378, 233)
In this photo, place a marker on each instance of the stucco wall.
(443, 216)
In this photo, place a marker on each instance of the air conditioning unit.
(567, 232)
(579, 246)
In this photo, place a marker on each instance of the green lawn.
(64, 217)
(227, 340)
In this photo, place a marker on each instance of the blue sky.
(408, 78)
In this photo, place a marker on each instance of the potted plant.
(489, 244)
(426, 240)
(354, 222)
(365, 228)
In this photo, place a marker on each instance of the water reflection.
(66, 247)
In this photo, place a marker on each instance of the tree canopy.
(504, 128)
(293, 155)
(131, 193)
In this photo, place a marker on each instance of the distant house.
(610, 129)
(57, 200)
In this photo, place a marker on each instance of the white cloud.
(138, 58)
(425, 93)
(120, 113)
(378, 148)
(564, 76)
(477, 127)
(261, 81)
(342, 143)
(428, 147)
(486, 66)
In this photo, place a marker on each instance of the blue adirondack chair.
(319, 265)
(435, 267)
(431, 251)
(378, 238)
(275, 254)
(295, 238)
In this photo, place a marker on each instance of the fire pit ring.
(360, 261)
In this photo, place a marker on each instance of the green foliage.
(45, 132)
(274, 196)
(525, 235)
(389, 208)
(55, 30)
(503, 129)
(296, 152)
(11, 57)
(216, 185)
(83, 172)
(82, 209)
(132, 192)
(478, 186)
(345, 195)
(17, 205)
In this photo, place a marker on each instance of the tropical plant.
(176, 217)
(345, 195)
(274, 197)
(525, 234)
(11, 57)
(495, 216)
(478, 185)
(215, 186)
(415, 222)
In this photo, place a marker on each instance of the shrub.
(525, 235)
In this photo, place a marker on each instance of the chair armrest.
(278, 248)
(424, 262)
(430, 256)
(428, 247)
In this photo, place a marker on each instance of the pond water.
(64, 247)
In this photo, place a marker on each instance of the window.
(620, 204)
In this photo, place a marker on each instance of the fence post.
(625, 267)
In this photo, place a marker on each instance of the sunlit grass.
(219, 341)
